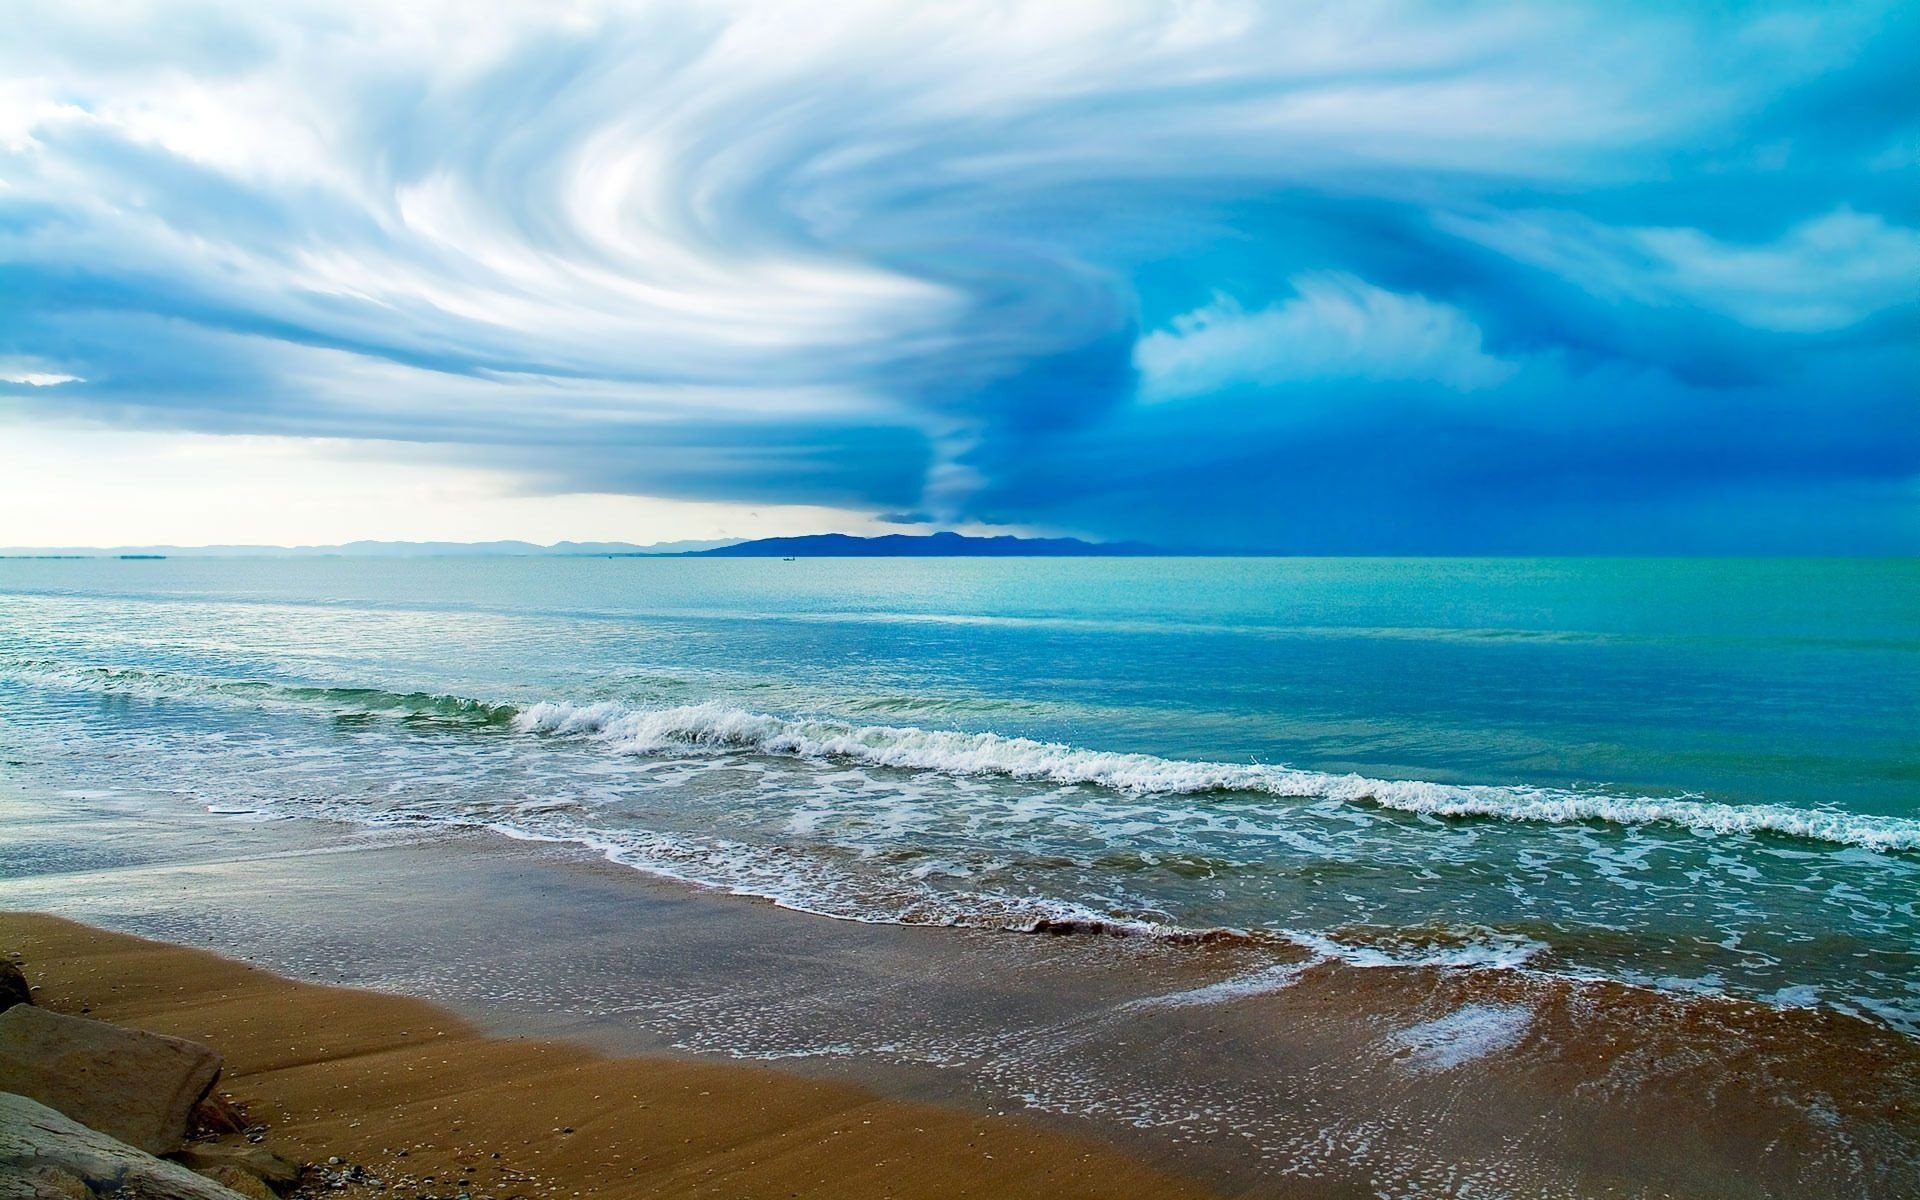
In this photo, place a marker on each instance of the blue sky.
(1350, 277)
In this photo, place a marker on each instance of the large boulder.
(13, 985)
(138, 1087)
(45, 1155)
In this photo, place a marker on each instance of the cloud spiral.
(1108, 267)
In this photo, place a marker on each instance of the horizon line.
(698, 547)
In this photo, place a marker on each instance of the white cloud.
(1824, 274)
(536, 226)
(1334, 327)
(683, 190)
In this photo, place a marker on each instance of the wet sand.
(1216, 1065)
(430, 1105)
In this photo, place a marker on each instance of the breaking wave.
(722, 728)
(717, 727)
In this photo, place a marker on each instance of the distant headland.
(932, 545)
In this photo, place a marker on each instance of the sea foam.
(718, 727)
(1469, 1032)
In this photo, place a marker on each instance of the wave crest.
(715, 726)
(720, 727)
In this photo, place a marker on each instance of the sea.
(1695, 776)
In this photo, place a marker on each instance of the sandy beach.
(841, 1058)
(422, 1101)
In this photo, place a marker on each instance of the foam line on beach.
(1470, 1032)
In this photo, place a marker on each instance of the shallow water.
(1302, 1076)
(1702, 775)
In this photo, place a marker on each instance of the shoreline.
(1209, 1063)
(403, 1089)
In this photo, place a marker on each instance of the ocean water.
(1701, 776)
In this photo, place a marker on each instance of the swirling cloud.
(1091, 266)
(1824, 274)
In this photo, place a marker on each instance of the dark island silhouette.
(933, 545)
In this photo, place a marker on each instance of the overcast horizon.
(1398, 277)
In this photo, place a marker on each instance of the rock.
(264, 1165)
(64, 1184)
(42, 1151)
(240, 1180)
(49, 1184)
(137, 1087)
(13, 985)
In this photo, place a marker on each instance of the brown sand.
(366, 1076)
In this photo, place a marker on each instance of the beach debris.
(336, 1174)
(139, 1087)
(45, 1153)
(218, 1116)
(14, 988)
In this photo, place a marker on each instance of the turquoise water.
(1701, 775)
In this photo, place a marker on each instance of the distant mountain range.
(377, 550)
(818, 545)
(934, 545)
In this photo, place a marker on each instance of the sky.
(1356, 277)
